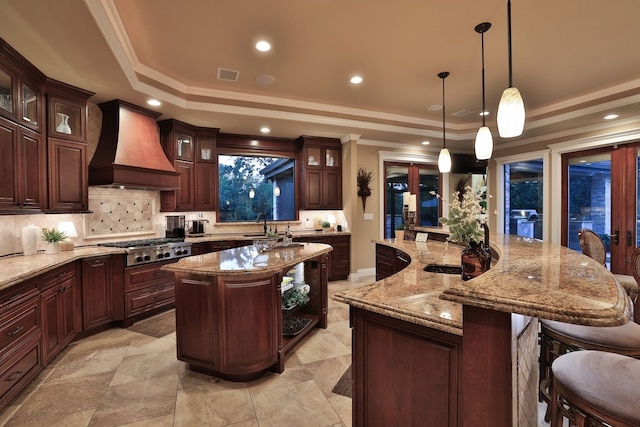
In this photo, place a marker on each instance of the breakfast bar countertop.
(530, 277)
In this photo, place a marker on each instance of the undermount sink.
(443, 268)
(253, 235)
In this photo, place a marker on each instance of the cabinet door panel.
(313, 189)
(332, 189)
(33, 178)
(67, 175)
(8, 162)
(97, 307)
(185, 194)
(206, 187)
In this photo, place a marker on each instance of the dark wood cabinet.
(389, 261)
(191, 151)
(97, 295)
(20, 338)
(68, 174)
(68, 169)
(231, 326)
(338, 260)
(23, 161)
(61, 309)
(395, 365)
(321, 173)
(147, 288)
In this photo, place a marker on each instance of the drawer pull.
(403, 259)
(13, 297)
(159, 273)
(15, 376)
(63, 289)
(15, 331)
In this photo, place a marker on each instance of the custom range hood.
(129, 153)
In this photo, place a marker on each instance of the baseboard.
(361, 274)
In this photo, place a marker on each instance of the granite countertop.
(16, 269)
(197, 238)
(530, 277)
(247, 259)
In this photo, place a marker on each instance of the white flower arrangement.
(466, 216)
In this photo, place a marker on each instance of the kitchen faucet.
(263, 216)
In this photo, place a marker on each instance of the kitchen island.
(229, 315)
(429, 348)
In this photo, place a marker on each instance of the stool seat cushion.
(629, 284)
(624, 338)
(608, 382)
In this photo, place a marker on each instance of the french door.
(418, 179)
(600, 192)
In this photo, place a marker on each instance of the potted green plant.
(400, 232)
(325, 225)
(53, 237)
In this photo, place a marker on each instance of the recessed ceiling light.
(356, 80)
(610, 116)
(426, 142)
(484, 113)
(434, 107)
(263, 46)
(265, 129)
(153, 102)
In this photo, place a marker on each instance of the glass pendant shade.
(252, 193)
(511, 113)
(444, 161)
(484, 143)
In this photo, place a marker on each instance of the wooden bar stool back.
(595, 388)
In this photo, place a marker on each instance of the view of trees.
(237, 176)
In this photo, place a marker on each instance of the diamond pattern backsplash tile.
(116, 215)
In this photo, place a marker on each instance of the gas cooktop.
(143, 242)
(145, 251)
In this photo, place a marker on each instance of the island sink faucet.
(261, 215)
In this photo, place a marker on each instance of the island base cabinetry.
(403, 374)
(231, 326)
(147, 289)
(227, 326)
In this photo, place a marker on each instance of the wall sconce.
(276, 191)
(252, 193)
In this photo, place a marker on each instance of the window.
(523, 198)
(249, 185)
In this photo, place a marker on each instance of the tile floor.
(121, 377)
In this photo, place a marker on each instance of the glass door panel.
(396, 183)
(589, 198)
(523, 197)
(428, 205)
(6, 92)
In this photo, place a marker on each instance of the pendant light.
(511, 108)
(484, 139)
(444, 159)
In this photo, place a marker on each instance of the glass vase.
(475, 260)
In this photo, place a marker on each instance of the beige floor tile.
(301, 404)
(147, 365)
(212, 406)
(163, 421)
(320, 345)
(137, 401)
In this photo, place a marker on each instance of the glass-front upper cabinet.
(6, 92)
(332, 158)
(184, 147)
(314, 156)
(206, 150)
(67, 119)
(30, 106)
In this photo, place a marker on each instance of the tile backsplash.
(125, 214)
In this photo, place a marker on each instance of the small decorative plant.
(400, 227)
(325, 224)
(53, 235)
(295, 296)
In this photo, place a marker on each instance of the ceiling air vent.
(229, 75)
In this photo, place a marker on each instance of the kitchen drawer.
(143, 276)
(58, 275)
(385, 251)
(16, 325)
(19, 369)
(150, 298)
(17, 295)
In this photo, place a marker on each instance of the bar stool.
(593, 388)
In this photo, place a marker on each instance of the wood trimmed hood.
(129, 153)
